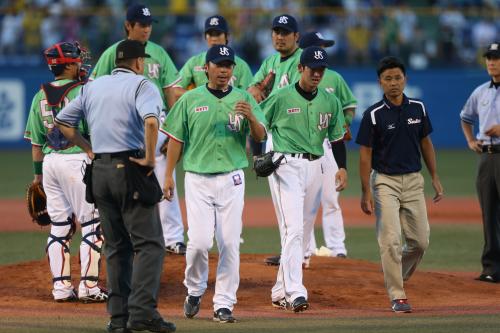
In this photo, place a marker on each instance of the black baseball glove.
(264, 165)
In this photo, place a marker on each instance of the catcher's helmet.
(63, 53)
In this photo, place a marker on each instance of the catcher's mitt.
(266, 85)
(264, 165)
(37, 204)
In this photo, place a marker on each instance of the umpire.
(133, 235)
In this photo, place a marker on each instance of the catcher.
(57, 164)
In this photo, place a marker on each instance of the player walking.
(160, 70)
(300, 116)
(209, 125)
(57, 164)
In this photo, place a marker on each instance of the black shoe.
(281, 304)
(487, 278)
(300, 304)
(273, 261)
(224, 315)
(191, 306)
(155, 325)
(117, 329)
(341, 255)
(178, 248)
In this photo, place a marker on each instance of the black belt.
(307, 156)
(491, 149)
(122, 154)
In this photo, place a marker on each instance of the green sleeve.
(186, 74)
(175, 122)
(35, 131)
(170, 74)
(336, 128)
(105, 64)
(257, 111)
(245, 75)
(268, 107)
(344, 94)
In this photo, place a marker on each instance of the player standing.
(209, 125)
(160, 70)
(57, 164)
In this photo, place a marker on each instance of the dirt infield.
(337, 288)
(260, 212)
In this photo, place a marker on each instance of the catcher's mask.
(64, 53)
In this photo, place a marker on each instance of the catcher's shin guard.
(58, 253)
(90, 255)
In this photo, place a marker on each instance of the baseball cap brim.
(218, 60)
(283, 26)
(316, 64)
(146, 20)
(492, 53)
(215, 29)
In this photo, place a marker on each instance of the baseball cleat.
(306, 263)
(281, 304)
(99, 297)
(300, 304)
(178, 248)
(341, 255)
(273, 261)
(487, 278)
(401, 306)
(224, 315)
(71, 298)
(191, 306)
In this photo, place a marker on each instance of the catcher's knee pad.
(58, 250)
(90, 252)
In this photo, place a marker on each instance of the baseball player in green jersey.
(300, 117)
(57, 164)
(160, 70)
(210, 125)
(193, 73)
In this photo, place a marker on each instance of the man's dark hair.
(127, 63)
(132, 24)
(388, 63)
(57, 70)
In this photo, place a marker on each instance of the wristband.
(38, 167)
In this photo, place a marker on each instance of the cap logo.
(318, 55)
(283, 20)
(120, 54)
(214, 21)
(319, 35)
(146, 12)
(224, 51)
(494, 47)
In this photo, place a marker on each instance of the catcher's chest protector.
(55, 94)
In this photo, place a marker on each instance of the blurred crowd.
(423, 33)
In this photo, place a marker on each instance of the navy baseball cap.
(217, 23)
(286, 22)
(139, 13)
(220, 53)
(314, 57)
(314, 39)
(493, 50)
(129, 49)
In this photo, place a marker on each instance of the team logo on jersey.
(391, 126)
(284, 81)
(214, 21)
(235, 121)
(412, 121)
(330, 90)
(283, 20)
(324, 120)
(318, 55)
(201, 109)
(146, 12)
(293, 110)
(154, 71)
(224, 51)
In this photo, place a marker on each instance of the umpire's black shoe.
(273, 261)
(224, 315)
(487, 278)
(155, 325)
(111, 328)
(300, 304)
(191, 306)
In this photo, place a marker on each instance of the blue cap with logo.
(220, 53)
(493, 50)
(286, 22)
(314, 57)
(314, 39)
(217, 23)
(139, 13)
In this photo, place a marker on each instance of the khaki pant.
(400, 211)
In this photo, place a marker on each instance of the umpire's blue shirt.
(115, 107)
(394, 133)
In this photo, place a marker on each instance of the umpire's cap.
(314, 39)
(129, 49)
(219, 53)
(139, 13)
(286, 22)
(314, 57)
(493, 50)
(217, 23)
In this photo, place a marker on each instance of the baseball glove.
(266, 85)
(264, 165)
(37, 204)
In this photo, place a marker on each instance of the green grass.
(454, 248)
(457, 169)
(400, 324)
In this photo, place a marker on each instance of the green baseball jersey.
(300, 126)
(159, 68)
(214, 136)
(193, 72)
(333, 82)
(286, 71)
(41, 119)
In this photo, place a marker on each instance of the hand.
(256, 93)
(493, 131)
(168, 188)
(91, 155)
(245, 110)
(438, 188)
(367, 205)
(475, 145)
(145, 163)
(38, 179)
(341, 180)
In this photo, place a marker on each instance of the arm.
(172, 94)
(37, 156)
(348, 115)
(173, 156)
(150, 139)
(73, 135)
(430, 161)
(340, 155)
(472, 142)
(257, 130)
(365, 167)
